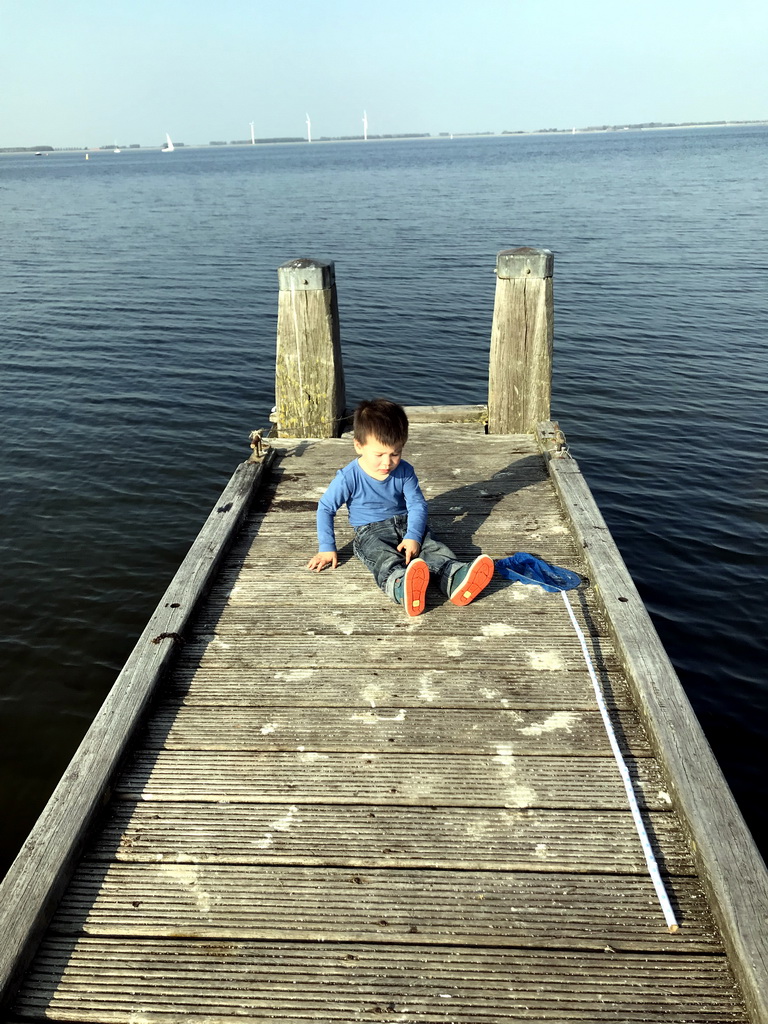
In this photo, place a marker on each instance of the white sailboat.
(168, 147)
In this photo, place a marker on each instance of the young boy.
(389, 516)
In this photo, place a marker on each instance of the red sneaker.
(471, 581)
(415, 586)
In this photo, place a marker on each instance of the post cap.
(305, 275)
(524, 262)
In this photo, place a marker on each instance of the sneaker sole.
(479, 576)
(415, 586)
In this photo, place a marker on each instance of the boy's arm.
(322, 560)
(327, 508)
(416, 505)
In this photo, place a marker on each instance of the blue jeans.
(375, 544)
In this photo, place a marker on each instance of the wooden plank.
(455, 464)
(390, 653)
(37, 877)
(117, 982)
(467, 440)
(457, 470)
(446, 506)
(323, 904)
(504, 780)
(266, 579)
(493, 616)
(279, 564)
(530, 519)
(465, 731)
(584, 842)
(299, 494)
(499, 626)
(546, 536)
(295, 545)
(249, 577)
(451, 687)
(732, 869)
(521, 482)
(446, 414)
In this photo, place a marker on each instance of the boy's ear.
(358, 446)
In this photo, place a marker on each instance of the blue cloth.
(527, 568)
(372, 501)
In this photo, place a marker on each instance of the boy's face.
(377, 459)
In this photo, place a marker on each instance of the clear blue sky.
(88, 72)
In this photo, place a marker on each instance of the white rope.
(650, 859)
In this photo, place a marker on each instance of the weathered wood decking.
(334, 812)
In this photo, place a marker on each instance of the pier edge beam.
(309, 375)
(729, 864)
(39, 875)
(520, 369)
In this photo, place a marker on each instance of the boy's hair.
(381, 420)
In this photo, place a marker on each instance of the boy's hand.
(411, 549)
(322, 560)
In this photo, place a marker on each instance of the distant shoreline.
(405, 137)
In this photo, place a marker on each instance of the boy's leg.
(411, 589)
(460, 581)
(376, 546)
(471, 579)
(442, 562)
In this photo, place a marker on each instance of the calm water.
(137, 322)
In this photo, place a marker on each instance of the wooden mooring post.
(309, 378)
(520, 372)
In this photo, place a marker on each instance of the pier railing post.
(520, 373)
(309, 376)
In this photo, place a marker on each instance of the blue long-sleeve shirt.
(371, 501)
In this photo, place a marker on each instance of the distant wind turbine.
(365, 126)
(253, 137)
(309, 129)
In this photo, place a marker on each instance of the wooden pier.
(299, 804)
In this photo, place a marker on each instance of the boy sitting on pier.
(389, 516)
